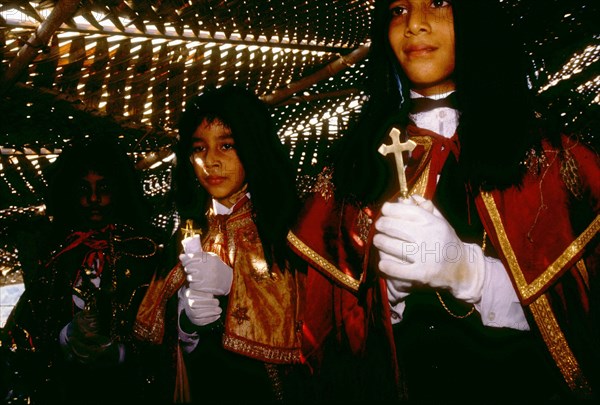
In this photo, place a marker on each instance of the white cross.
(397, 148)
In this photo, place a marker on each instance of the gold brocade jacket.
(264, 313)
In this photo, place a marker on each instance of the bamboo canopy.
(72, 69)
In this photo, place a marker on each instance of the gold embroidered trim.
(557, 345)
(426, 142)
(420, 186)
(363, 225)
(227, 228)
(153, 329)
(529, 290)
(321, 262)
(261, 352)
(240, 314)
(569, 172)
(324, 184)
(581, 267)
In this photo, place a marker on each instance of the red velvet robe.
(344, 295)
(345, 298)
(553, 265)
(345, 301)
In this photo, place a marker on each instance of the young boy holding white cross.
(489, 267)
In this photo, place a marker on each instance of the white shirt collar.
(414, 94)
(221, 209)
(442, 120)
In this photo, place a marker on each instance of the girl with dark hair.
(72, 331)
(241, 305)
(482, 231)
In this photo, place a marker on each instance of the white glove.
(419, 247)
(397, 290)
(200, 308)
(207, 276)
(206, 272)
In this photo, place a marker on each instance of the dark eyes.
(398, 10)
(225, 147)
(440, 3)
(103, 188)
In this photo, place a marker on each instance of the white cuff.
(396, 293)
(62, 337)
(121, 353)
(499, 306)
(397, 311)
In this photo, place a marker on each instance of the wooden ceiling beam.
(64, 10)
(343, 62)
(320, 96)
(188, 35)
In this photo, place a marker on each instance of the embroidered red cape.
(553, 266)
(345, 300)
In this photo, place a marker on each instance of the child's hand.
(419, 247)
(207, 273)
(200, 308)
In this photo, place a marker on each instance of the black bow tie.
(423, 104)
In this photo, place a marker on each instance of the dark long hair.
(269, 174)
(497, 114)
(100, 154)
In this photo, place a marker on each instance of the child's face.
(216, 162)
(421, 34)
(95, 199)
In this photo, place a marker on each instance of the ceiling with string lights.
(126, 69)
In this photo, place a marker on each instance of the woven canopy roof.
(74, 68)
(138, 61)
